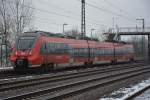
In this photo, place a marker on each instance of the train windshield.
(25, 43)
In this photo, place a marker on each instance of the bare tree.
(22, 15)
(15, 17)
(74, 32)
(5, 20)
(137, 43)
(99, 36)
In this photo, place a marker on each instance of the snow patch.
(9, 79)
(124, 93)
(6, 68)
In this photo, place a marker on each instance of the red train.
(39, 49)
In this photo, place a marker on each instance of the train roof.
(58, 35)
(61, 38)
(83, 43)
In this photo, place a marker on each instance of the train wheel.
(50, 67)
(131, 59)
(20, 69)
(114, 61)
(16, 69)
(42, 68)
(90, 64)
(47, 67)
(86, 64)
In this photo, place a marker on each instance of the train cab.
(23, 51)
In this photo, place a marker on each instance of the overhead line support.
(83, 27)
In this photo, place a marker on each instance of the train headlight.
(16, 53)
(30, 53)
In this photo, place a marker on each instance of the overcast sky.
(51, 14)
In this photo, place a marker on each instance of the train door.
(114, 54)
(48, 66)
(45, 65)
(44, 53)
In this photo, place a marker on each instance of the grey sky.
(95, 18)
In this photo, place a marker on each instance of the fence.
(129, 29)
(4, 55)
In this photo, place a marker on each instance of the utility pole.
(143, 37)
(64, 27)
(143, 23)
(113, 19)
(1, 48)
(83, 29)
(92, 32)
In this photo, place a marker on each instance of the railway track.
(137, 93)
(13, 82)
(10, 73)
(58, 86)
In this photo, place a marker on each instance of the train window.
(85, 52)
(120, 51)
(79, 52)
(123, 51)
(51, 48)
(56, 48)
(132, 49)
(25, 43)
(96, 52)
(109, 52)
(100, 52)
(93, 52)
(116, 51)
(70, 51)
(104, 51)
(75, 52)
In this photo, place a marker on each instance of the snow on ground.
(124, 93)
(18, 78)
(5, 68)
(143, 96)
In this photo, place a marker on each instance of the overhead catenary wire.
(63, 15)
(109, 11)
(118, 8)
(89, 20)
(58, 24)
(59, 14)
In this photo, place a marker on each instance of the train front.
(22, 51)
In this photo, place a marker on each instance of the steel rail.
(128, 72)
(21, 84)
(130, 97)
